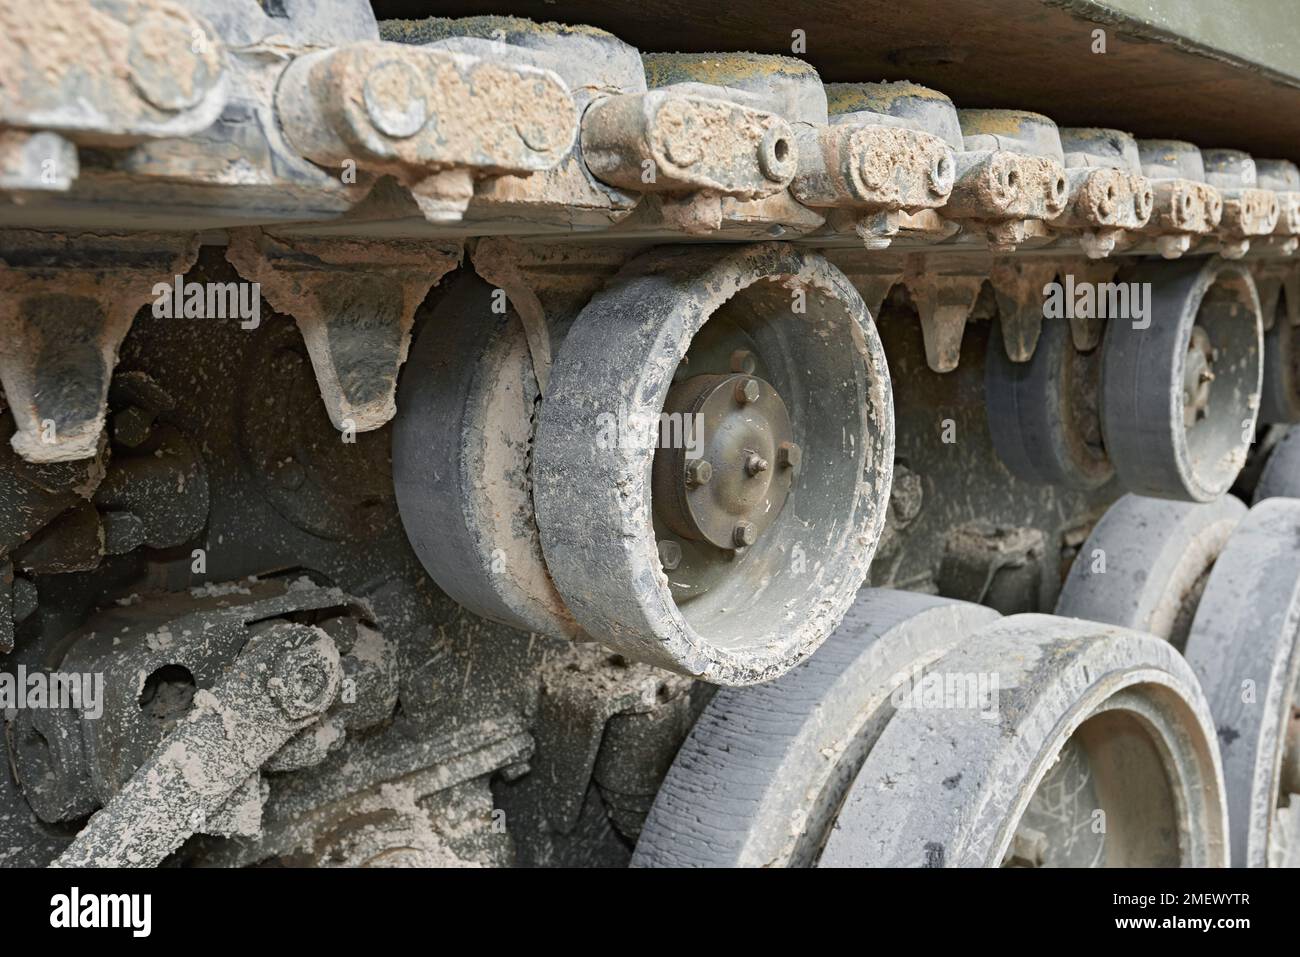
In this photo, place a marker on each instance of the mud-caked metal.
(1186, 207)
(728, 615)
(1180, 387)
(1109, 196)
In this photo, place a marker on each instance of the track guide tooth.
(62, 326)
(944, 301)
(355, 303)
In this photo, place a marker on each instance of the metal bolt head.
(742, 360)
(394, 97)
(747, 392)
(744, 535)
(755, 463)
(670, 554)
(789, 455)
(698, 472)
(305, 679)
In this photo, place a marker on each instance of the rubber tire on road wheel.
(1243, 648)
(785, 595)
(1145, 563)
(1280, 397)
(1142, 381)
(1281, 475)
(765, 768)
(1028, 416)
(465, 407)
(948, 786)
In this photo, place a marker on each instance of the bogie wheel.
(1280, 477)
(759, 780)
(1094, 748)
(1043, 414)
(713, 459)
(1280, 401)
(1181, 385)
(1243, 648)
(466, 405)
(1145, 564)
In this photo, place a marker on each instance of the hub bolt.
(670, 554)
(698, 472)
(755, 464)
(747, 392)
(789, 455)
(744, 535)
(742, 360)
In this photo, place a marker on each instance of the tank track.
(476, 442)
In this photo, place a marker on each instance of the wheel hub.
(729, 478)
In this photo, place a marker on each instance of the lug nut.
(742, 360)
(755, 464)
(698, 472)
(789, 455)
(744, 535)
(747, 392)
(670, 554)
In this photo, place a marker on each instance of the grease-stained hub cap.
(730, 479)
